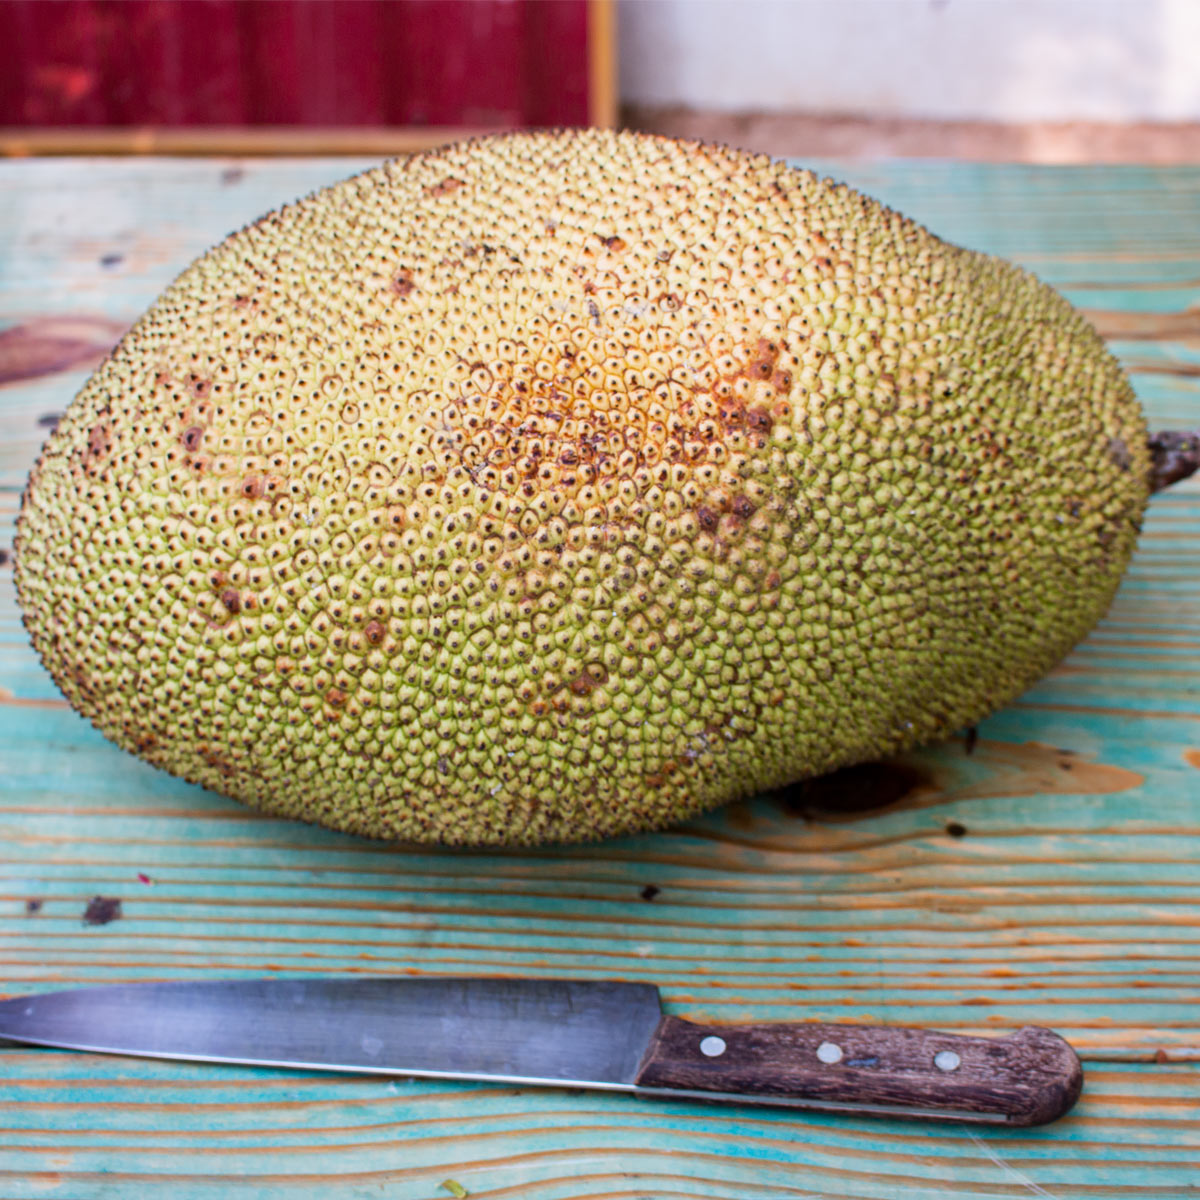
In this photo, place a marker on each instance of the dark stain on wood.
(930, 777)
(46, 345)
(865, 788)
(101, 910)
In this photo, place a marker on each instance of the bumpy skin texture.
(552, 486)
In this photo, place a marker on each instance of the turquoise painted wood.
(1051, 876)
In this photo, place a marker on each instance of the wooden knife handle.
(1025, 1078)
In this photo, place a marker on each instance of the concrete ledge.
(799, 135)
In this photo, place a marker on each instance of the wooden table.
(1052, 875)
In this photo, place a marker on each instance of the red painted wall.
(492, 63)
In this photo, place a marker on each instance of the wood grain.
(95, 1127)
(44, 347)
(1049, 876)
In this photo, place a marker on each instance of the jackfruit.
(554, 486)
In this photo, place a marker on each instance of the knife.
(559, 1033)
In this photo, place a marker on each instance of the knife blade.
(561, 1033)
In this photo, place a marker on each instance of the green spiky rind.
(554, 486)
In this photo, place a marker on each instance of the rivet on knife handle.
(1025, 1078)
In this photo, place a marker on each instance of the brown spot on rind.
(252, 487)
(614, 243)
(743, 507)
(759, 419)
(444, 187)
(708, 518)
(766, 355)
(1118, 451)
(191, 437)
(232, 601)
(374, 632)
(402, 283)
(731, 414)
(335, 697)
(99, 443)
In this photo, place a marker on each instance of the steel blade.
(587, 1033)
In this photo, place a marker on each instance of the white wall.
(1014, 60)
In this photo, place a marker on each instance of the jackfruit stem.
(1174, 455)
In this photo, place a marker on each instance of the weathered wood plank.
(149, 1128)
(1051, 875)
